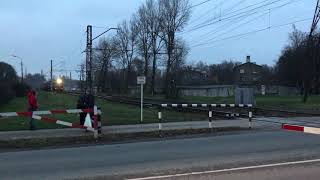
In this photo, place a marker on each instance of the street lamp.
(21, 65)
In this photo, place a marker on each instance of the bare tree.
(126, 45)
(141, 23)
(174, 16)
(104, 55)
(179, 56)
(154, 25)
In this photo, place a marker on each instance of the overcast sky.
(38, 30)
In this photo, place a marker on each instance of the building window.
(241, 71)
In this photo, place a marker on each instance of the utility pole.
(70, 75)
(81, 76)
(89, 59)
(89, 78)
(311, 64)
(51, 80)
(21, 64)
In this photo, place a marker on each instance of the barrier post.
(210, 118)
(160, 121)
(250, 117)
(95, 121)
(99, 121)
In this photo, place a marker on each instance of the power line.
(232, 16)
(247, 22)
(212, 9)
(266, 12)
(252, 32)
(199, 4)
(232, 12)
(206, 13)
(224, 26)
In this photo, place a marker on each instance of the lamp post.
(21, 65)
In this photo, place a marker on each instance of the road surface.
(174, 156)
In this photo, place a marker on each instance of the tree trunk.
(127, 78)
(169, 63)
(146, 69)
(154, 66)
(168, 77)
(306, 91)
(101, 78)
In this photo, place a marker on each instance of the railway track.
(155, 103)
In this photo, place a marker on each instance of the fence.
(96, 128)
(210, 111)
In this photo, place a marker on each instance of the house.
(247, 74)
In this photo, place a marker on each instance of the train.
(57, 85)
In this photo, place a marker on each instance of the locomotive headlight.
(59, 81)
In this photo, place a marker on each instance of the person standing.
(82, 105)
(32, 106)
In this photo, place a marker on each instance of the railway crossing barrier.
(210, 111)
(301, 128)
(38, 115)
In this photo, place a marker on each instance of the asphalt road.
(169, 157)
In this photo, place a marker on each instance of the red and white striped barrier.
(207, 105)
(64, 123)
(48, 112)
(305, 129)
(210, 114)
(36, 115)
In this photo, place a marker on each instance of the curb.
(106, 138)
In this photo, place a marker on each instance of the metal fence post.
(250, 118)
(99, 121)
(210, 118)
(160, 121)
(95, 121)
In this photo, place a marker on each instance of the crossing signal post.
(141, 80)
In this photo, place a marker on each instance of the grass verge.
(113, 113)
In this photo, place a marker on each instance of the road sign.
(141, 80)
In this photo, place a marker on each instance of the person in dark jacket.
(32, 106)
(82, 105)
(85, 101)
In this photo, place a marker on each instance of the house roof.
(248, 63)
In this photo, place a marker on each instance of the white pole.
(141, 103)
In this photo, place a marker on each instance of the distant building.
(210, 91)
(247, 74)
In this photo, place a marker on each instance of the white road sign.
(141, 80)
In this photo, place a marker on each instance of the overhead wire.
(266, 13)
(224, 26)
(206, 12)
(232, 12)
(252, 32)
(199, 4)
(232, 16)
(214, 8)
